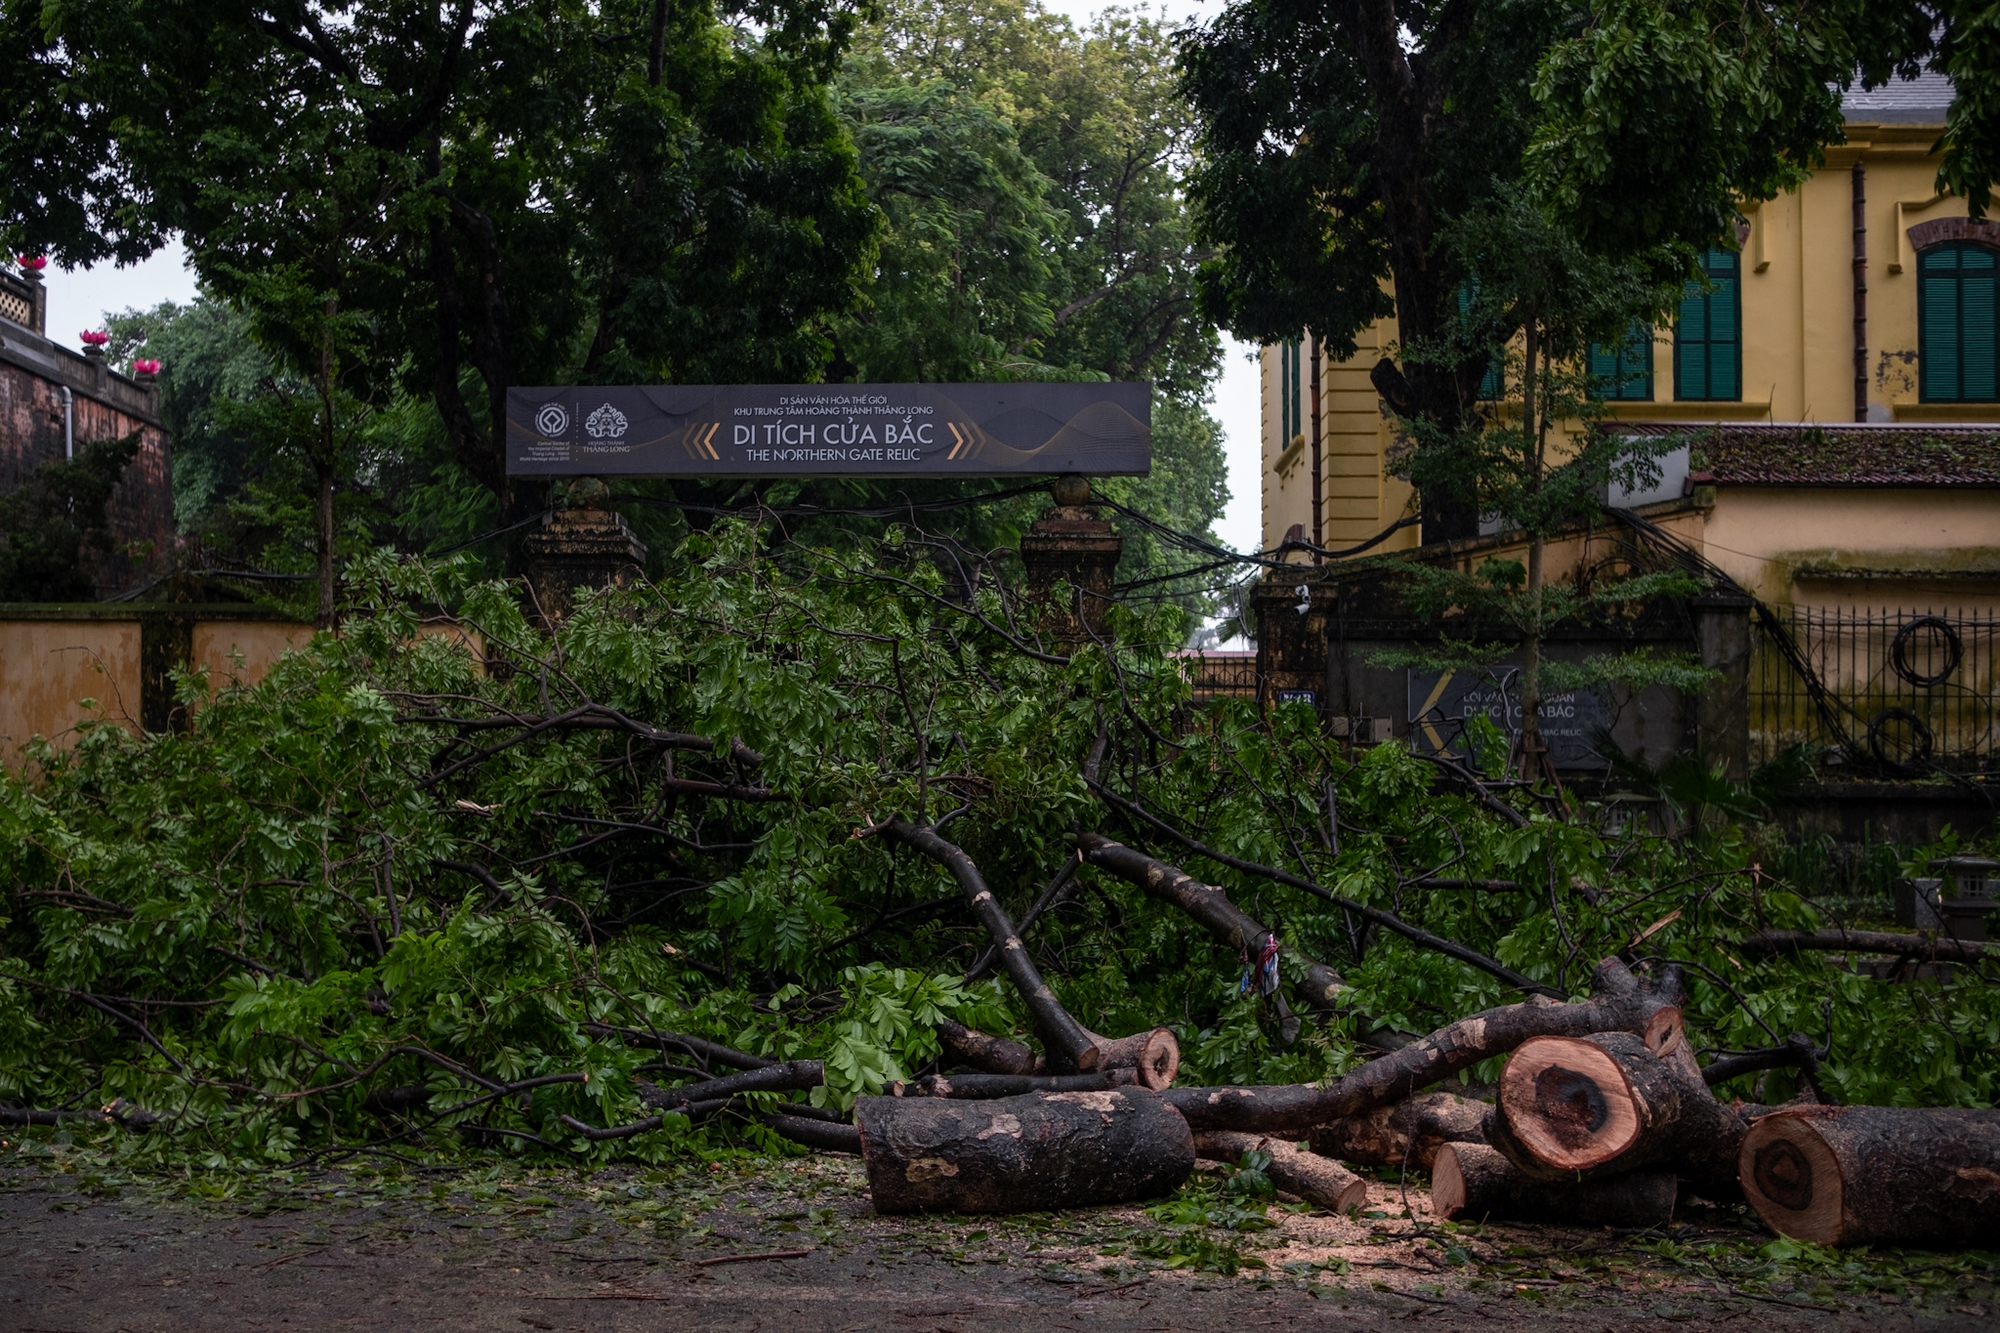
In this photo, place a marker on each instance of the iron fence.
(1221, 675)
(1908, 690)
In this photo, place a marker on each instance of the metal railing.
(1909, 690)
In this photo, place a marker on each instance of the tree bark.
(994, 1055)
(1411, 1131)
(1587, 1108)
(1474, 1182)
(983, 1087)
(1154, 1057)
(1621, 1003)
(789, 1076)
(1070, 1048)
(1021, 1154)
(815, 1133)
(1319, 986)
(1321, 1182)
(1869, 1175)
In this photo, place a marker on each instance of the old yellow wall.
(218, 645)
(1360, 500)
(48, 667)
(1807, 546)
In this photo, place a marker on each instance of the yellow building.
(1862, 296)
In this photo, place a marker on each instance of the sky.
(80, 299)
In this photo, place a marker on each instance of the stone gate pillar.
(1070, 543)
(588, 545)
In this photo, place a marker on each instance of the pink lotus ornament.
(145, 367)
(94, 337)
(32, 263)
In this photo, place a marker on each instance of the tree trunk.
(1411, 1131)
(1473, 1182)
(1319, 1181)
(985, 1087)
(1070, 1048)
(994, 1055)
(1021, 1154)
(1875, 1175)
(1587, 1108)
(323, 530)
(1621, 1003)
(1319, 986)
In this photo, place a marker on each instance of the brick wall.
(106, 405)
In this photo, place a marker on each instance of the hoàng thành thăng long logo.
(552, 420)
(606, 422)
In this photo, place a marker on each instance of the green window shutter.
(1491, 384)
(1958, 360)
(1624, 373)
(1708, 339)
(1975, 322)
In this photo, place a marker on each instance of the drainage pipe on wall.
(1860, 293)
(69, 424)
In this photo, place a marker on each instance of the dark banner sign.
(1441, 702)
(883, 430)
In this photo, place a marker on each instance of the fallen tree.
(1320, 1181)
(1875, 1175)
(1472, 1182)
(1404, 1133)
(1021, 1154)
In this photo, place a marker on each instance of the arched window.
(1708, 338)
(1956, 348)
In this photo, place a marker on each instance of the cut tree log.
(1409, 1132)
(1571, 1108)
(993, 1055)
(1021, 1154)
(1154, 1057)
(1320, 1181)
(1071, 1049)
(1620, 1003)
(1473, 1182)
(1876, 1175)
(786, 1076)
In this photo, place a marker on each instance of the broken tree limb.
(1319, 985)
(1021, 1154)
(1797, 1052)
(699, 1047)
(810, 1133)
(787, 1076)
(1876, 1175)
(979, 1087)
(1320, 1181)
(1583, 1108)
(1865, 941)
(1386, 920)
(1053, 894)
(994, 1055)
(1472, 1182)
(1070, 1048)
(1622, 1003)
(1410, 1131)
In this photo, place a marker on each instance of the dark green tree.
(54, 530)
(1341, 145)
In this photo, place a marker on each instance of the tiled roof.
(1918, 101)
(1811, 454)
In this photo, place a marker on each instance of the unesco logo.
(552, 420)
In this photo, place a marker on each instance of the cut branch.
(1865, 941)
(1874, 1175)
(1070, 1047)
(1473, 1182)
(1320, 1181)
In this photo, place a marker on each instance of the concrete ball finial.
(589, 493)
(1071, 491)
